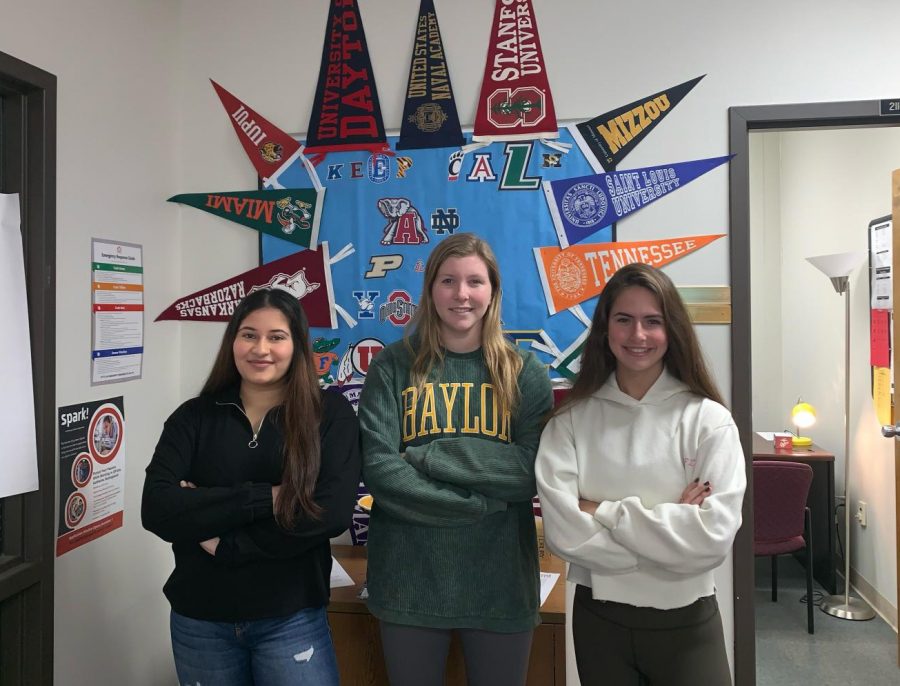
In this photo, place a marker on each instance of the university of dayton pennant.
(572, 275)
(306, 275)
(515, 101)
(292, 214)
(267, 146)
(345, 114)
(430, 119)
(611, 136)
(580, 207)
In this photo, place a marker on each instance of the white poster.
(20, 473)
(117, 287)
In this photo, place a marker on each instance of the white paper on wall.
(19, 473)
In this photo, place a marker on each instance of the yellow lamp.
(803, 416)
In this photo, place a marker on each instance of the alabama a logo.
(584, 205)
(404, 225)
(398, 309)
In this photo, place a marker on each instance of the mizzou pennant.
(572, 275)
(267, 146)
(346, 114)
(515, 101)
(306, 275)
(430, 119)
(290, 214)
(611, 136)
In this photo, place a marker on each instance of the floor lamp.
(838, 268)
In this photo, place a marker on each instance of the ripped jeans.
(296, 649)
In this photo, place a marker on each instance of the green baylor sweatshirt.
(451, 537)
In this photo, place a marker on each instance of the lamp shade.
(803, 415)
(838, 264)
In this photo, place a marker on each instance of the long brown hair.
(683, 358)
(301, 410)
(500, 356)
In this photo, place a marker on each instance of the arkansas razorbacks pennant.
(306, 275)
(267, 146)
(610, 136)
(583, 205)
(572, 275)
(515, 101)
(291, 214)
(346, 114)
(430, 119)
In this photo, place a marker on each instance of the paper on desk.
(339, 576)
(548, 581)
(766, 435)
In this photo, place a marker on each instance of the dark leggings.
(417, 656)
(624, 645)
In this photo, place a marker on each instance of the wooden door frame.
(741, 121)
(28, 167)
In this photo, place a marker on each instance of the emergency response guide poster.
(91, 471)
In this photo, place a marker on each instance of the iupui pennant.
(609, 137)
(306, 275)
(267, 146)
(291, 214)
(430, 119)
(515, 101)
(583, 205)
(345, 114)
(572, 275)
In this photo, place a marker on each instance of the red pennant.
(267, 146)
(306, 275)
(515, 101)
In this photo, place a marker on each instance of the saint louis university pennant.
(345, 114)
(515, 101)
(430, 119)
(611, 136)
(306, 275)
(291, 214)
(267, 146)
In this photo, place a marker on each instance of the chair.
(781, 520)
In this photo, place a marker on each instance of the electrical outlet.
(861, 512)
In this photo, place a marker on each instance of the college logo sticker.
(404, 225)
(324, 357)
(398, 309)
(366, 300)
(378, 168)
(362, 353)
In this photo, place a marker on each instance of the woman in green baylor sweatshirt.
(451, 418)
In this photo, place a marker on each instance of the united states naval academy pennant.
(572, 275)
(608, 137)
(291, 214)
(515, 101)
(268, 147)
(583, 205)
(430, 118)
(306, 275)
(346, 114)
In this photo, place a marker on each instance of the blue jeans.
(265, 652)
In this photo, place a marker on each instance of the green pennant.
(292, 214)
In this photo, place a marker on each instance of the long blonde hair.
(500, 356)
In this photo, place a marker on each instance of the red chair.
(781, 520)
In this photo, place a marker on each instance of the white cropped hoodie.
(635, 458)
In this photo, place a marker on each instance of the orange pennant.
(572, 275)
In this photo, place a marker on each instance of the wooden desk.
(357, 640)
(820, 503)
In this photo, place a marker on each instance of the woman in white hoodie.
(641, 478)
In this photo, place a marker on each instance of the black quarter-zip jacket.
(260, 570)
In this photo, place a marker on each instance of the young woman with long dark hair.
(249, 481)
(641, 478)
(451, 418)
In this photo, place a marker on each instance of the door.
(895, 216)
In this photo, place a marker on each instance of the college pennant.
(345, 114)
(430, 119)
(583, 205)
(267, 146)
(611, 136)
(306, 275)
(572, 275)
(291, 214)
(515, 101)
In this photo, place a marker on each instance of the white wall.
(138, 121)
(826, 187)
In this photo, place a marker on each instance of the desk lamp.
(803, 416)
(838, 268)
